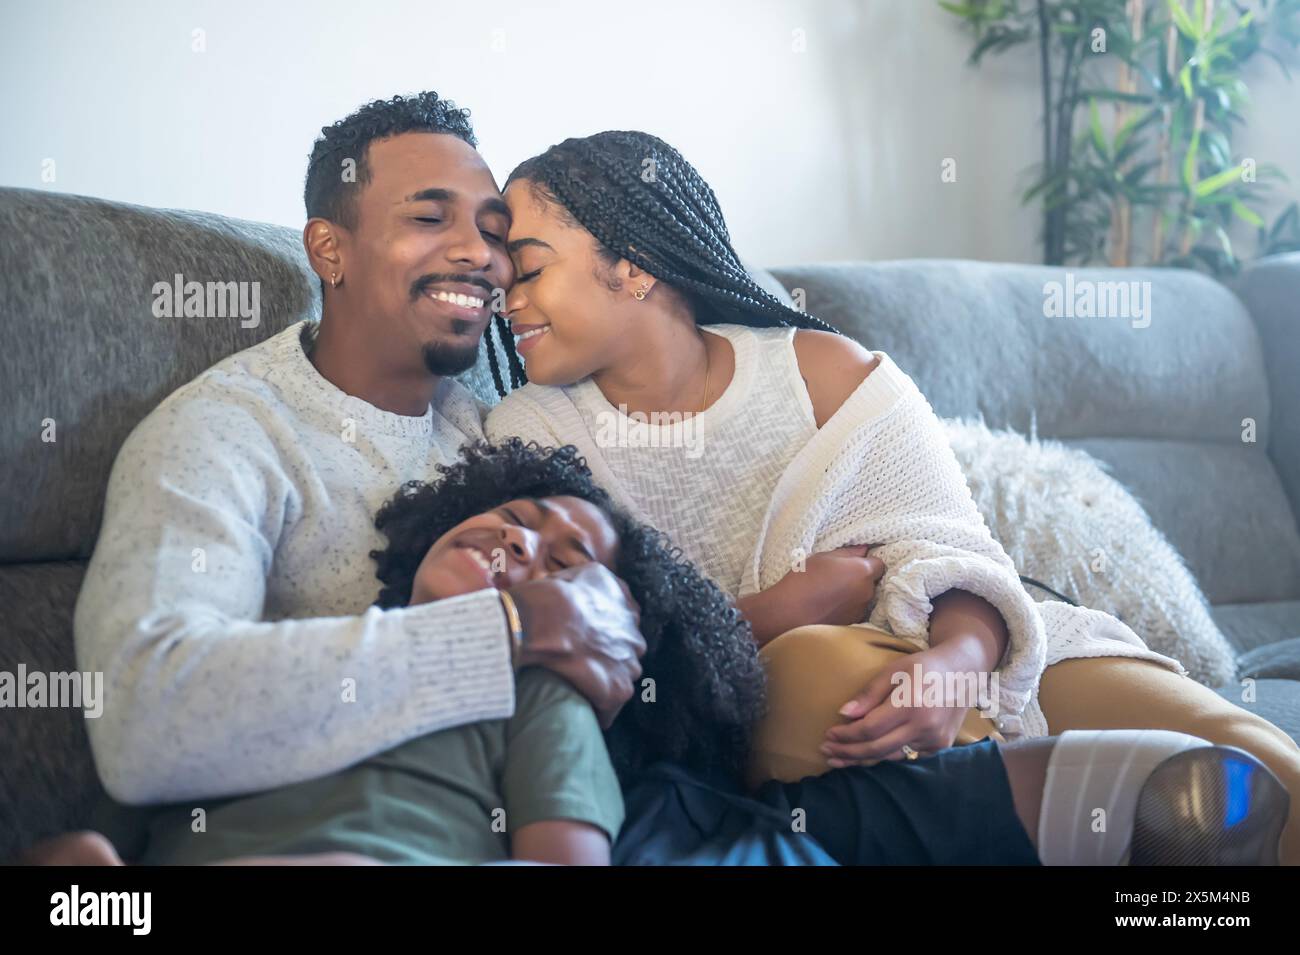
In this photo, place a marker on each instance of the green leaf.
(1094, 122)
(1131, 125)
(1184, 23)
(1245, 212)
(1207, 187)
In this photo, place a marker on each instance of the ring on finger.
(910, 753)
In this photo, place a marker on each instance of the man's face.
(427, 251)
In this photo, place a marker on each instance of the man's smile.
(459, 300)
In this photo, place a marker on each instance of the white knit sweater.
(879, 472)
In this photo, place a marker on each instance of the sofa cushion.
(48, 782)
(84, 350)
(1221, 505)
(974, 337)
(1270, 288)
(1274, 661)
(1248, 626)
(1277, 701)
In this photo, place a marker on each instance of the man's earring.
(334, 280)
(640, 293)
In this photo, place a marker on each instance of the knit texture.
(879, 472)
(709, 476)
(228, 601)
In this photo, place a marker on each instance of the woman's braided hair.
(642, 201)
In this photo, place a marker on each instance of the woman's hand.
(833, 587)
(968, 637)
(877, 729)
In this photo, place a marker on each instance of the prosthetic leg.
(1154, 797)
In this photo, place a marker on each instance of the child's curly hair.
(708, 681)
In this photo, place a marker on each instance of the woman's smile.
(527, 336)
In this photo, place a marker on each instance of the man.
(229, 598)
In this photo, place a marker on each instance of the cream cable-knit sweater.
(879, 472)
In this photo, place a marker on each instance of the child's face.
(519, 541)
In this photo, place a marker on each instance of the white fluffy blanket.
(1064, 521)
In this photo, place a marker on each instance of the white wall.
(831, 153)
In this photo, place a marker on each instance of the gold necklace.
(707, 364)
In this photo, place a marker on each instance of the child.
(541, 785)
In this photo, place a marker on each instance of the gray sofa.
(83, 358)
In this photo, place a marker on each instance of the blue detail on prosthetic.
(1239, 778)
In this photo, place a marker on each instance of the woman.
(779, 444)
(541, 785)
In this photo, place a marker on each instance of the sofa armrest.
(1270, 289)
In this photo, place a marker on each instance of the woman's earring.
(640, 293)
(334, 280)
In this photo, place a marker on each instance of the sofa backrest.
(1166, 395)
(84, 357)
(1270, 288)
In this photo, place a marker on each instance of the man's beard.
(445, 360)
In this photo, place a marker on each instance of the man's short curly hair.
(327, 194)
(709, 685)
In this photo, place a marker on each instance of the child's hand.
(875, 728)
(834, 587)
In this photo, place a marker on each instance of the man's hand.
(834, 587)
(583, 624)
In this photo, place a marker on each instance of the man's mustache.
(424, 282)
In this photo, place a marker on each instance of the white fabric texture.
(1090, 795)
(229, 597)
(709, 477)
(879, 472)
(1064, 521)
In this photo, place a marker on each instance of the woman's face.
(519, 541)
(567, 308)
